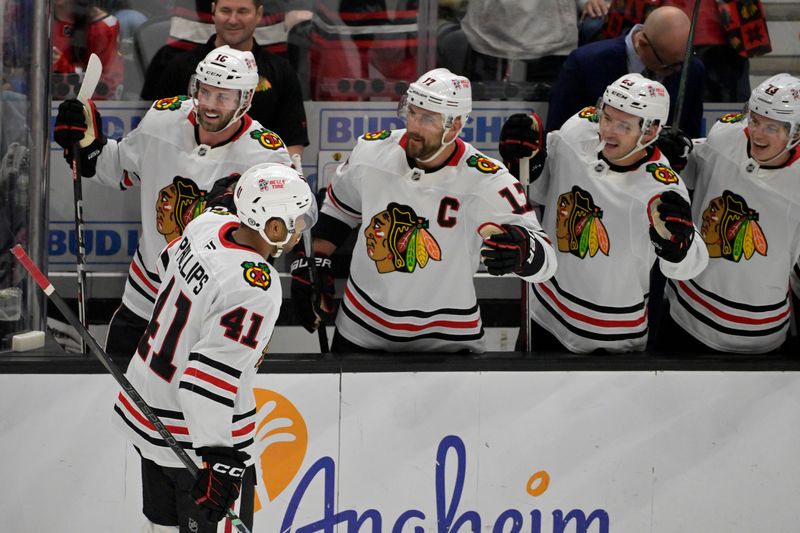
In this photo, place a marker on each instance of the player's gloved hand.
(312, 305)
(512, 250)
(221, 194)
(676, 146)
(522, 135)
(671, 227)
(219, 482)
(78, 123)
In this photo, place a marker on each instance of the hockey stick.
(525, 303)
(676, 118)
(313, 276)
(94, 69)
(105, 360)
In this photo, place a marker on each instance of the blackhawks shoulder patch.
(257, 274)
(483, 164)
(377, 135)
(731, 118)
(170, 104)
(267, 138)
(589, 113)
(662, 173)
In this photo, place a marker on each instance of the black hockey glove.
(671, 227)
(513, 250)
(312, 305)
(221, 194)
(676, 146)
(219, 482)
(76, 123)
(522, 135)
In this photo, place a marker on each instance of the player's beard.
(418, 147)
(220, 123)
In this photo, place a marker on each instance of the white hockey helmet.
(274, 190)
(778, 98)
(639, 96)
(228, 68)
(440, 91)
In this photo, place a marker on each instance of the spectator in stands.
(655, 49)
(278, 102)
(540, 33)
(191, 26)
(80, 28)
(726, 36)
(593, 16)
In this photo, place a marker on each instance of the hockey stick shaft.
(80, 241)
(94, 69)
(113, 369)
(676, 118)
(313, 274)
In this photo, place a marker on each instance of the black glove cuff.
(672, 251)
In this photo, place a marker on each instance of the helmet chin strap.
(639, 146)
(768, 161)
(278, 245)
(444, 145)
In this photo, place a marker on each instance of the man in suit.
(654, 49)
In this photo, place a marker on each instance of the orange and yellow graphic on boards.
(538, 483)
(282, 440)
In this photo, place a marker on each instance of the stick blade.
(94, 69)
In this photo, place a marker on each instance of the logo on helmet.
(268, 185)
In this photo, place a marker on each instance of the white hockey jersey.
(174, 172)
(411, 277)
(750, 223)
(196, 362)
(599, 217)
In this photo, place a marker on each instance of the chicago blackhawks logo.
(267, 138)
(483, 164)
(662, 173)
(263, 84)
(176, 205)
(398, 240)
(257, 274)
(731, 117)
(377, 135)
(731, 230)
(579, 224)
(589, 113)
(170, 104)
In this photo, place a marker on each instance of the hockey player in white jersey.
(425, 203)
(746, 181)
(182, 148)
(615, 208)
(214, 315)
